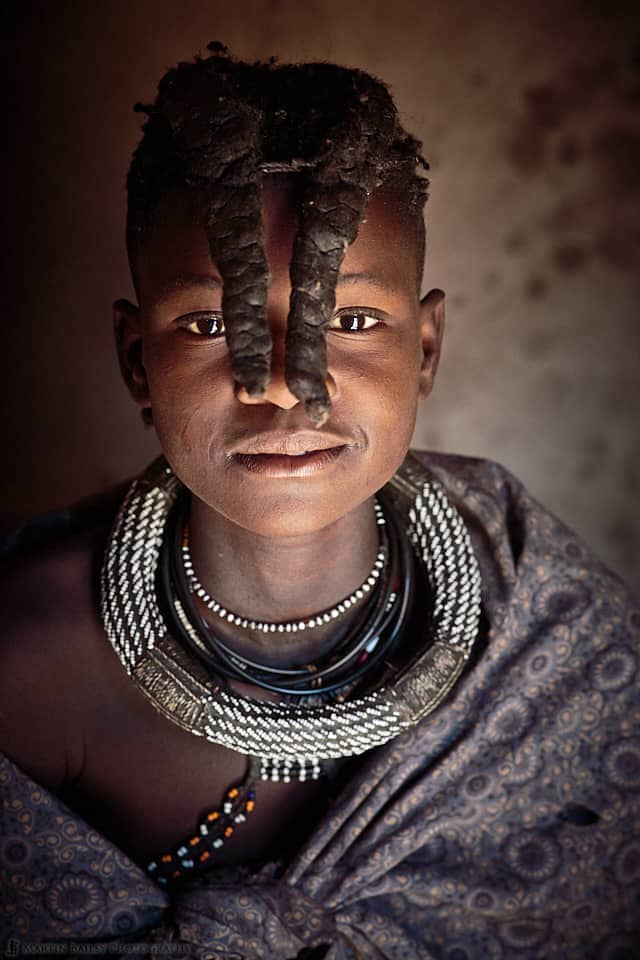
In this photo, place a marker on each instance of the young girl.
(219, 685)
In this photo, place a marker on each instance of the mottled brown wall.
(530, 114)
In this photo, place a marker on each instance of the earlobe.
(128, 336)
(431, 330)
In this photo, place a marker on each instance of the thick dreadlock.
(216, 127)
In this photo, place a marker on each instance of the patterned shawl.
(505, 825)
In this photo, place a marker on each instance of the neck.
(282, 578)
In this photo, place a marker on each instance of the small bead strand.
(265, 626)
(210, 835)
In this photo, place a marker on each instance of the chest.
(148, 785)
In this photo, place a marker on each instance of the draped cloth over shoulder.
(504, 825)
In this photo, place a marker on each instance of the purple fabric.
(505, 825)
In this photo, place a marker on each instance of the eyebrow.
(374, 279)
(208, 282)
(185, 280)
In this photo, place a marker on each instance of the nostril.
(276, 392)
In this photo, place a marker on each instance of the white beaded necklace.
(310, 623)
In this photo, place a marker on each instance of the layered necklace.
(342, 705)
(294, 626)
(386, 602)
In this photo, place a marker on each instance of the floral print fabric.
(505, 825)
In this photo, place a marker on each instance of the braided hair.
(216, 127)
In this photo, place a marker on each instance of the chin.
(289, 516)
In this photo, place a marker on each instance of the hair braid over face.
(217, 126)
(338, 189)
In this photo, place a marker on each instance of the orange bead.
(194, 841)
(205, 856)
(167, 858)
(233, 793)
(228, 831)
(213, 816)
(250, 805)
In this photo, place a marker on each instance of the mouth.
(290, 455)
(290, 465)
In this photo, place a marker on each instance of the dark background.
(530, 115)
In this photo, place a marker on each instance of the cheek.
(398, 417)
(381, 393)
(399, 384)
(385, 377)
(187, 393)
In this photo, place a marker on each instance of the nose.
(277, 392)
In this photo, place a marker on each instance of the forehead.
(175, 245)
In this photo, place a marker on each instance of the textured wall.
(530, 114)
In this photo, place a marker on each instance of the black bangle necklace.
(351, 662)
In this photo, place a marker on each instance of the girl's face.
(261, 463)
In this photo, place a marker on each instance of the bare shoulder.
(51, 647)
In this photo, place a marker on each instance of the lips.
(295, 454)
(290, 444)
(300, 465)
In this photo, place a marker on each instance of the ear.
(128, 334)
(431, 330)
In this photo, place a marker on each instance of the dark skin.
(266, 526)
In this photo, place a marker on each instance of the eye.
(354, 320)
(203, 324)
